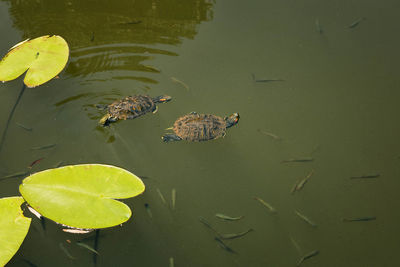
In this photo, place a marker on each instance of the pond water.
(337, 104)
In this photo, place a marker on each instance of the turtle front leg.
(170, 137)
(106, 120)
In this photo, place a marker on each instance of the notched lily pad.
(13, 227)
(82, 196)
(41, 58)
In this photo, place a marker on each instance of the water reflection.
(112, 40)
(102, 22)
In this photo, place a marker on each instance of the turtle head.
(162, 99)
(232, 120)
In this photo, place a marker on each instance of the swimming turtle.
(132, 107)
(200, 127)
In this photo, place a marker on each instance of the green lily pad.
(44, 57)
(82, 196)
(13, 227)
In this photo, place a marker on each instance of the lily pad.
(43, 58)
(13, 227)
(82, 196)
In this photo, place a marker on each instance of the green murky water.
(338, 104)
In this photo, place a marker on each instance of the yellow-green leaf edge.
(82, 196)
(13, 227)
(41, 58)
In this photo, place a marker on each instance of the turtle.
(131, 107)
(200, 127)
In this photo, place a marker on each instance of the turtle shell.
(131, 107)
(199, 127)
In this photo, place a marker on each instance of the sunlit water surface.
(338, 104)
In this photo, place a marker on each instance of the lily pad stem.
(96, 245)
(3, 137)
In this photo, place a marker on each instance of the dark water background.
(339, 104)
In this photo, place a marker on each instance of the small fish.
(366, 176)
(147, 206)
(359, 219)
(224, 246)
(295, 245)
(294, 187)
(43, 147)
(24, 126)
(77, 230)
(306, 159)
(305, 219)
(233, 236)
(37, 54)
(307, 256)
(304, 181)
(274, 136)
(207, 224)
(272, 209)
(173, 197)
(265, 80)
(87, 247)
(17, 174)
(92, 37)
(130, 22)
(34, 162)
(34, 212)
(228, 218)
(29, 263)
(355, 23)
(171, 262)
(268, 80)
(318, 26)
(64, 249)
(161, 196)
(180, 82)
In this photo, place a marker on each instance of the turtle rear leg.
(101, 106)
(170, 137)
